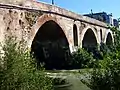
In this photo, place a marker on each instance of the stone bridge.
(44, 27)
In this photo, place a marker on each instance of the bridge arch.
(39, 22)
(50, 45)
(108, 38)
(89, 37)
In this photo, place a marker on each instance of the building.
(115, 22)
(104, 17)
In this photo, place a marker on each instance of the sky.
(85, 6)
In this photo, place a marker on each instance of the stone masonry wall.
(17, 23)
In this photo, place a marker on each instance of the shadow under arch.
(101, 35)
(89, 39)
(90, 43)
(109, 40)
(51, 46)
(75, 35)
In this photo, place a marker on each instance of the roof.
(95, 13)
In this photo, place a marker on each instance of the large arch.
(75, 35)
(39, 22)
(51, 46)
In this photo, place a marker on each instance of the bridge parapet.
(64, 12)
(48, 8)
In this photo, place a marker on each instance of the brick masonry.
(23, 18)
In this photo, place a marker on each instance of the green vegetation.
(106, 73)
(18, 69)
(59, 81)
(81, 59)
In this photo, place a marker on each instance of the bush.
(96, 53)
(19, 71)
(82, 59)
(60, 81)
(106, 76)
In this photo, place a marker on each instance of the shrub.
(60, 81)
(82, 58)
(106, 76)
(96, 53)
(19, 71)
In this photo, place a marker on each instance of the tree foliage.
(19, 69)
(106, 76)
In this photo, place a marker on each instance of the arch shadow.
(90, 43)
(101, 35)
(75, 35)
(89, 39)
(109, 40)
(50, 46)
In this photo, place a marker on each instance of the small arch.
(89, 40)
(82, 35)
(75, 35)
(101, 35)
(51, 46)
(109, 39)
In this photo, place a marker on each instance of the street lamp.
(52, 2)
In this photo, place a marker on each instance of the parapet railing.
(10, 6)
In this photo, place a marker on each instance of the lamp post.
(52, 2)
